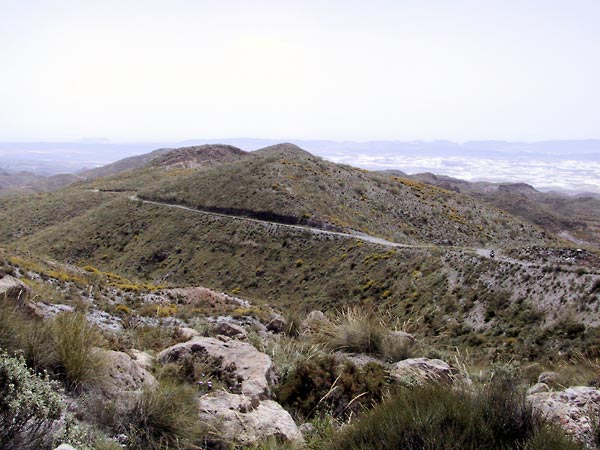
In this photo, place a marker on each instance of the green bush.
(323, 384)
(28, 406)
(437, 417)
(163, 417)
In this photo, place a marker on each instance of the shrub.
(28, 406)
(163, 417)
(495, 416)
(323, 384)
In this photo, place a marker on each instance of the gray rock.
(142, 359)
(537, 388)
(575, 409)
(254, 368)
(307, 429)
(186, 333)
(548, 377)
(243, 421)
(14, 289)
(313, 321)
(124, 373)
(276, 323)
(423, 370)
(65, 447)
(226, 328)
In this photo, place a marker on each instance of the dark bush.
(325, 385)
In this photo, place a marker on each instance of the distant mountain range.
(565, 166)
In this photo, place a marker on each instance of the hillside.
(457, 288)
(12, 183)
(287, 184)
(576, 218)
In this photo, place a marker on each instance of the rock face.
(572, 409)
(244, 421)
(125, 374)
(13, 289)
(423, 370)
(253, 368)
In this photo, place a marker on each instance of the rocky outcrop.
(230, 329)
(13, 289)
(423, 370)
(573, 409)
(125, 373)
(253, 368)
(245, 421)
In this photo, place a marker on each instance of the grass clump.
(79, 360)
(163, 417)
(354, 330)
(494, 416)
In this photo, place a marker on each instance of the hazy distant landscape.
(567, 166)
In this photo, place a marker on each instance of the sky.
(144, 70)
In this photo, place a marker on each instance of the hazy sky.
(359, 70)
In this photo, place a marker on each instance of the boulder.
(575, 409)
(13, 289)
(226, 328)
(253, 368)
(142, 359)
(236, 418)
(538, 387)
(186, 333)
(276, 323)
(548, 377)
(313, 321)
(124, 373)
(65, 447)
(423, 370)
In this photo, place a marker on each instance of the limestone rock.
(186, 333)
(124, 373)
(537, 388)
(142, 359)
(423, 370)
(253, 368)
(276, 323)
(65, 447)
(573, 409)
(313, 321)
(13, 289)
(226, 328)
(242, 421)
(548, 377)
